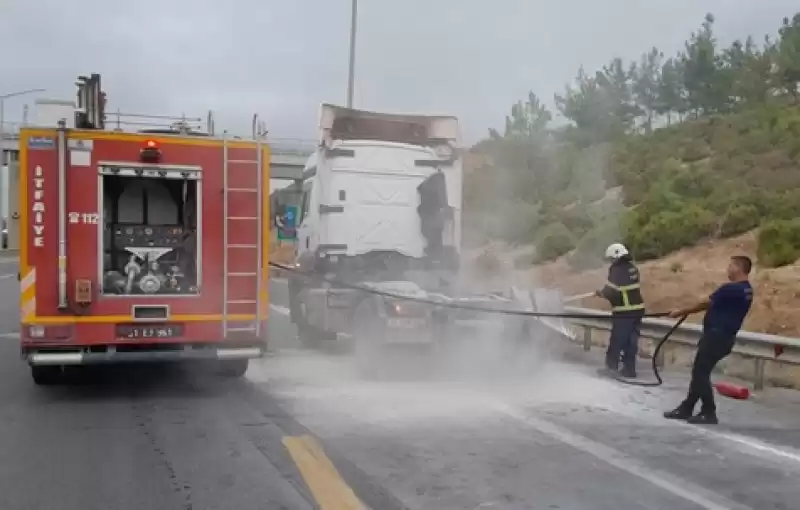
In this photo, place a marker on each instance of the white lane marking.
(758, 445)
(8, 261)
(280, 309)
(10, 275)
(672, 484)
(10, 336)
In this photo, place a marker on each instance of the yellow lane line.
(330, 491)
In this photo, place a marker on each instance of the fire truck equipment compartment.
(150, 241)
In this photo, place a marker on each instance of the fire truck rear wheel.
(233, 368)
(46, 376)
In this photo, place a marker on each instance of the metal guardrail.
(760, 347)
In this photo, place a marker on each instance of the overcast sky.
(471, 58)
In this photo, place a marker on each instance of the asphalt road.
(304, 431)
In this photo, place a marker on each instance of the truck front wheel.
(46, 375)
(312, 337)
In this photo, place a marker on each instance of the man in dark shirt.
(725, 310)
(623, 292)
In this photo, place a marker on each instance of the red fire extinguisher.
(732, 390)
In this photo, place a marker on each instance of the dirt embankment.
(684, 276)
(681, 278)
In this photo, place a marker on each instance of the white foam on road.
(674, 485)
(329, 393)
(332, 386)
(328, 389)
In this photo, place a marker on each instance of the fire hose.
(500, 311)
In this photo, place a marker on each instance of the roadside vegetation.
(662, 153)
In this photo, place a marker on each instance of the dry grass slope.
(690, 273)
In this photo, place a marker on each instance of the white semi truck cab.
(381, 186)
(381, 209)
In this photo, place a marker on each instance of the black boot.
(704, 418)
(679, 413)
(628, 373)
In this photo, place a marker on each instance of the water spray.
(578, 297)
(502, 311)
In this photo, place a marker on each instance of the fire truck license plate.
(137, 331)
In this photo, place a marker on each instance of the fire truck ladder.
(241, 222)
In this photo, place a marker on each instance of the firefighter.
(623, 292)
(725, 309)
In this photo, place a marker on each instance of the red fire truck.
(140, 247)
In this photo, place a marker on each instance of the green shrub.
(553, 241)
(695, 181)
(577, 220)
(591, 247)
(779, 243)
(514, 222)
(784, 205)
(695, 150)
(668, 231)
(740, 219)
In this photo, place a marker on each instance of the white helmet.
(616, 250)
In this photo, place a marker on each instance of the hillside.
(670, 282)
(684, 158)
(713, 177)
(685, 198)
(690, 273)
(660, 153)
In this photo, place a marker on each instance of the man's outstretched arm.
(697, 307)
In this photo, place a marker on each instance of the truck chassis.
(390, 320)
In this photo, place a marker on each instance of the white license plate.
(406, 323)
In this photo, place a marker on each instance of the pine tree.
(788, 56)
(646, 85)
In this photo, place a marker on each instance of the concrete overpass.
(288, 156)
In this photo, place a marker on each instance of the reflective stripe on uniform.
(626, 301)
(625, 308)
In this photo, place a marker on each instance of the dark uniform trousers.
(711, 349)
(624, 340)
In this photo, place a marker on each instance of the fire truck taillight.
(49, 333)
(36, 331)
(150, 153)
